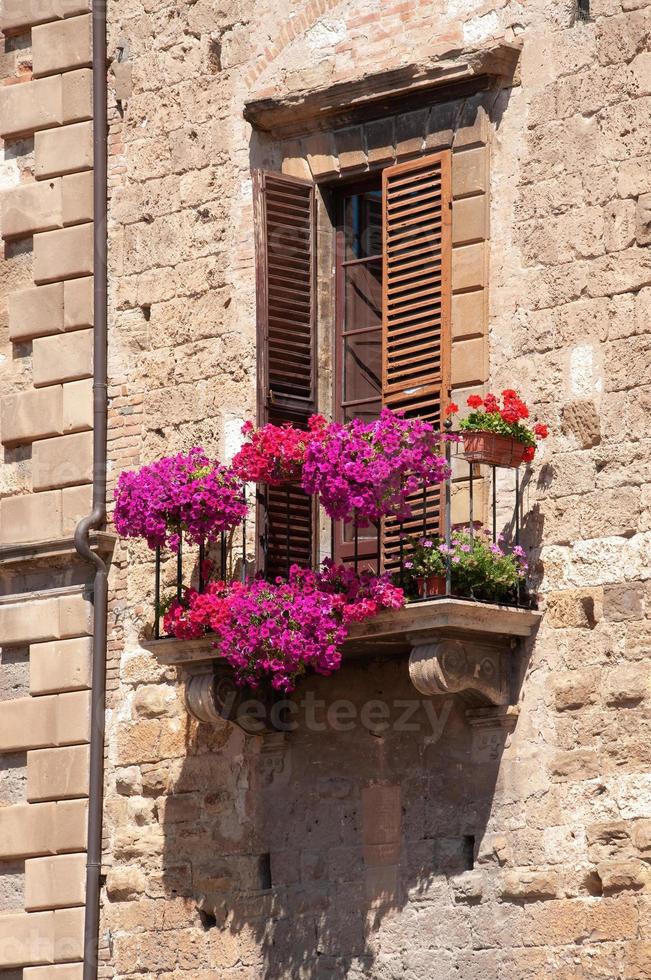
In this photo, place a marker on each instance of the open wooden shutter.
(416, 310)
(286, 337)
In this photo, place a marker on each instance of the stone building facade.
(447, 849)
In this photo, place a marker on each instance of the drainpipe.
(97, 518)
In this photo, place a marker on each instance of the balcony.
(454, 643)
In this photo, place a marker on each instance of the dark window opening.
(584, 9)
(469, 852)
(264, 869)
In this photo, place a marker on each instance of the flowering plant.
(187, 492)
(505, 419)
(278, 630)
(365, 471)
(275, 454)
(480, 567)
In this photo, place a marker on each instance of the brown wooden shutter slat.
(285, 244)
(416, 305)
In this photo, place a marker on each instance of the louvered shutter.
(285, 233)
(416, 310)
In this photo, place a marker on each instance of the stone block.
(468, 266)
(63, 254)
(439, 132)
(33, 207)
(294, 162)
(351, 149)
(64, 971)
(581, 419)
(25, 622)
(66, 358)
(321, 155)
(62, 665)
(63, 462)
(470, 172)
(55, 882)
(643, 220)
(575, 689)
(72, 713)
(76, 96)
(469, 314)
(77, 406)
(30, 517)
(410, 132)
(17, 14)
(469, 362)
(27, 723)
(627, 684)
(63, 151)
(29, 106)
(531, 886)
(62, 46)
(619, 876)
(473, 127)
(469, 220)
(623, 602)
(78, 303)
(68, 934)
(77, 198)
(76, 504)
(36, 312)
(26, 938)
(380, 140)
(26, 830)
(71, 826)
(57, 774)
(75, 614)
(31, 415)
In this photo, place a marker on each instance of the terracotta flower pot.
(493, 449)
(431, 585)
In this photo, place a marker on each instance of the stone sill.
(302, 111)
(392, 631)
(35, 551)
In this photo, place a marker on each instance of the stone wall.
(238, 857)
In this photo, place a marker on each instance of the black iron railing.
(231, 556)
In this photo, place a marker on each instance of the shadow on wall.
(306, 862)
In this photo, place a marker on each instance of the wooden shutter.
(416, 309)
(286, 338)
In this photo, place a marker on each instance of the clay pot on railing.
(492, 449)
(431, 585)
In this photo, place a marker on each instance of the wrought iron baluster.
(222, 556)
(356, 543)
(288, 515)
(494, 469)
(448, 519)
(157, 596)
(179, 569)
(244, 555)
(202, 559)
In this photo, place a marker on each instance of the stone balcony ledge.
(454, 647)
(33, 552)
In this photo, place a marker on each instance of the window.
(392, 300)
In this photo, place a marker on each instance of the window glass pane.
(363, 224)
(362, 365)
(363, 295)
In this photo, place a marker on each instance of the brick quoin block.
(55, 882)
(68, 358)
(31, 517)
(62, 462)
(31, 208)
(62, 665)
(58, 618)
(64, 254)
(29, 830)
(57, 773)
(67, 971)
(31, 415)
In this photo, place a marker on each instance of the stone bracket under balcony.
(453, 647)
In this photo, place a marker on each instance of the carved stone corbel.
(478, 672)
(213, 697)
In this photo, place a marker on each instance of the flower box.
(493, 449)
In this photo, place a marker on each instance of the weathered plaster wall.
(559, 814)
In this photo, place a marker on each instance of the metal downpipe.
(97, 518)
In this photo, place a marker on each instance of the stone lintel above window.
(381, 93)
